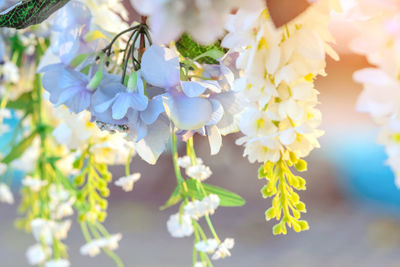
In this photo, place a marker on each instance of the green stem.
(85, 231)
(177, 169)
(210, 225)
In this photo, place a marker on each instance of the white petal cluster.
(108, 14)
(278, 67)
(75, 131)
(223, 249)
(94, 247)
(180, 225)
(45, 231)
(379, 40)
(204, 20)
(37, 254)
(127, 182)
(34, 184)
(186, 162)
(6, 195)
(197, 171)
(57, 263)
(207, 206)
(61, 202)
(219, 251)
(207, 246)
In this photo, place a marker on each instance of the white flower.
(199, 172)
(180, 225)
(127, 182)
(92, 248)
(199, 264)
(37, 254)
(111, 242)
(61, 202)
(223, 249)
(207, 206)
(34, 184)
(6, 195)
(202, 19)
(42, 230)
(207, 246)
(10, 72)
(57, 263)
(186, 162)
(46, 230)
(61, 229)
(211, 203)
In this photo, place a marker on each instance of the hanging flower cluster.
(379, 41)
(280, 118)
(90, 89)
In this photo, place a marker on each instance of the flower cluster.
(280, 118)
(378, 39)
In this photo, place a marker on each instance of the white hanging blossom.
(280, 120)
(379, 40)
(223, 249)
(37, 254)
(207, 206)
(207, 246)
(127, 182)
(34, 184)
(199, 172)
(6, 195)
(180, 225)
(57, 263)
(204, 20)
(94, 247)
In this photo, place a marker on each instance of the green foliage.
(92, 184)
(286, 204)
(202, 54)
(20, 148)
(227, 198)
(29, 12)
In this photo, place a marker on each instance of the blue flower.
(67, 86)
(204, 106)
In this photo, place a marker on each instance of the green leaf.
(29, 12)
(227, 198)
(190, 49)
(20, 148)
(173, 199)
(213, 53)
(24, 101)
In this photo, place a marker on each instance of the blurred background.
(353, 205)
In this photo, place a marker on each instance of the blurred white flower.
(207, 246)
(37, 254)
(207, 206)
(186, 162)
(127, 182)
(180, 225)
(35, 184)
(57, 263)
(6, 195)
(199, 172)
(92, 248)
(223, 249)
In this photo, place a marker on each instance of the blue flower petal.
(153, 110)
(187, 113)
(160, 67)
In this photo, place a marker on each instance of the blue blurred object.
(5, 140)
(362, 171)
